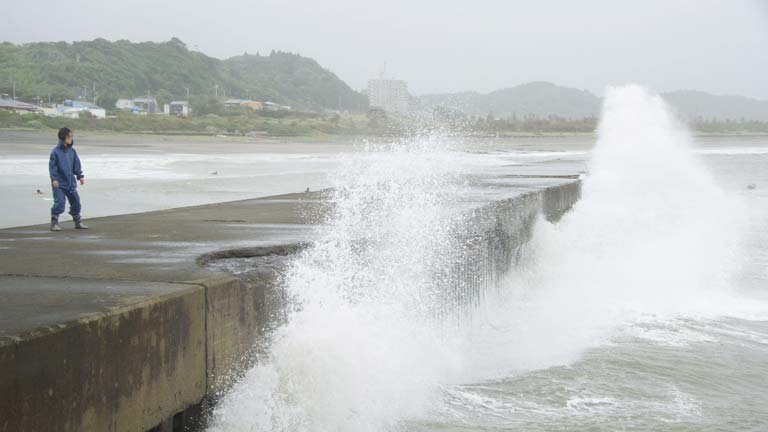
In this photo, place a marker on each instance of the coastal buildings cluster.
(138, 106)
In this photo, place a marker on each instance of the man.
(64, 168)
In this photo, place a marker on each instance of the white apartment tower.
(389, 95)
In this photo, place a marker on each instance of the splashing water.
(653, 236)
(361, 350)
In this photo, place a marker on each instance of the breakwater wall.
(144, 348)
(493, 238)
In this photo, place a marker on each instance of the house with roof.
(271, 106)
(75, 108)
(124, 104)
(144, 105)
(247, 103)
(9, 104)
(178, 108)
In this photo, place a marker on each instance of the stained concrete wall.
(234, 314)
(492, 240)
(126, 370)
(133, 368)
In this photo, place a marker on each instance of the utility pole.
(216, 89)
(187, 88)
(14, 89)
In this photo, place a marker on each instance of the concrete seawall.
(121, 329)
(118, 370)
(497, 234)
(118, 328)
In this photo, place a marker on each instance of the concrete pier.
(120, 328)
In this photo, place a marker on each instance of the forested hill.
(694, 105)
(126, 69)
(543, 99)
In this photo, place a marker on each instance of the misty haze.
(395, 216)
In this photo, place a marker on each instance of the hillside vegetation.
(126, 69)
(543, 100)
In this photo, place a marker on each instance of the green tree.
(202, 105)
(131, 69)
(163, 97)
(107, 101)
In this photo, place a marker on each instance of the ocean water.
(128, 177)
(643, 308)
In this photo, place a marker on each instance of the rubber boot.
(55, 223)
(79, 222)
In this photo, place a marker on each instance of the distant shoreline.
(319, 138)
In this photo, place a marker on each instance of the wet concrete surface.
(154, 247)
(46, 304)
(119, 327)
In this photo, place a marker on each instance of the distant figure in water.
(215, 173)
(65, 171)
(307, 191)
(751, 186)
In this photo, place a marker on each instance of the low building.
(233, 103)
(9, 104)
(254, 105)
(72, 114)
(145, 106)
(247, 103)
(271, 106)
(124, 104)
(179, 108)
(50, 111)
(74, 109)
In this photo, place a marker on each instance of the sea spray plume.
(660, 232)
(652, 236)
(389, 217)
(361, 350)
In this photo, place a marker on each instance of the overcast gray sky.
(444, 45)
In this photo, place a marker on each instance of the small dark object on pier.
(39, 192)
(751, 186)
(215, 173)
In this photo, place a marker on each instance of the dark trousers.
(59, 201)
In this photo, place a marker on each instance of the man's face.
(70, 137)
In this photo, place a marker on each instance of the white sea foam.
(653, 236)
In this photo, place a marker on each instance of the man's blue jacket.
(64, 166)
